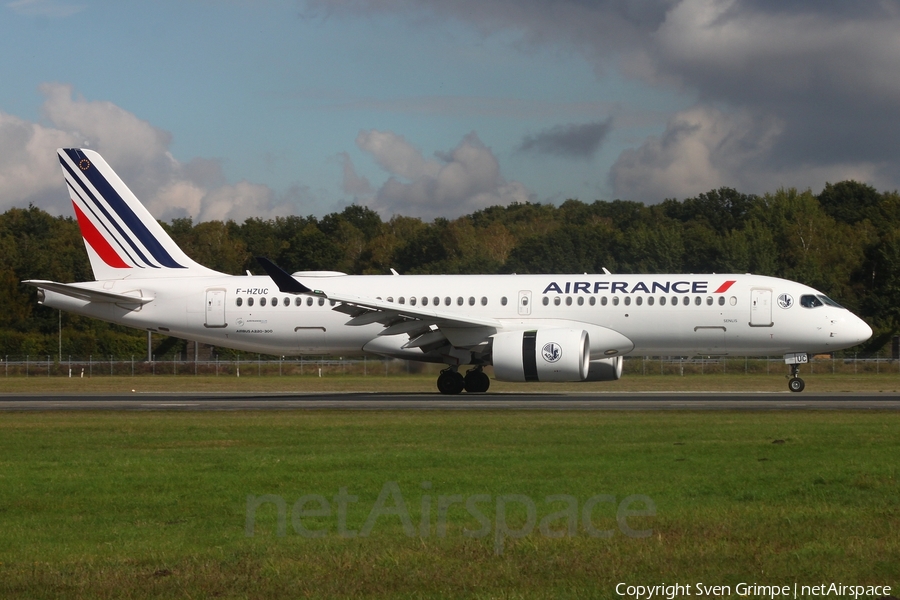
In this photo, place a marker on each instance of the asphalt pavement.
(413, 401)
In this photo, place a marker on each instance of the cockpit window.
(810, 301)
(829, 301)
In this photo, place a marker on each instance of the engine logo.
(551, 352)
(785, 301)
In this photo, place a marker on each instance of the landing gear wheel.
(795, 384)
(450, 382)
(477, 381)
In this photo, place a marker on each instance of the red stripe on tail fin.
(96, 240)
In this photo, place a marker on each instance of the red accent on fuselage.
(724, 287)
(96, 240)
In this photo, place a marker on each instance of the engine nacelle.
(542, 355)
(605, 369)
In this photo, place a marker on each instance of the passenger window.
(274, 301)
(615, 300)
(592, 301)
(262, 301)
(321, 301)
(662, 300)
(471, 300)
(424, 300)
(732, 301)
(309, 301)
(721, 300)
(437, 301)
(239, 301)
(412, 300)
(627, 300)
(674, 300)
(503, 301)
(650, 300)
(556, 301)
(250, 301)
(459, 301)
(639, 300)
(390, 298)
(603, 301)
(568, 300)
(447, 301)
(709, 301)
(298, 301)
(580, 300)
(484, 300)
(698, 300)
(546, 300)
(401, 300)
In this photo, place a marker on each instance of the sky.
(233, 109)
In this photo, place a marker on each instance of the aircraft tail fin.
(121, 237)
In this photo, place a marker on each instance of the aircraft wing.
(88, 294)
(425, 326)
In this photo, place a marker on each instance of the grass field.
(155, 505)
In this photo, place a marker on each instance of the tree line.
(844, 241)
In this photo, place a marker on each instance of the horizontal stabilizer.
(285, 282)
(88, 294)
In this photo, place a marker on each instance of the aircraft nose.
(857, 331)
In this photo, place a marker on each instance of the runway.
(505, 401)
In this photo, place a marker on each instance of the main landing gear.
(452, 382)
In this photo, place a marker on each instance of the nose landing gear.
(795, 384)
(795, 359)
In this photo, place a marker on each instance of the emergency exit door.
(215, 308)
(525, 302)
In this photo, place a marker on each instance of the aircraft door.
(761, 308)
(215, 308)
(524, 302)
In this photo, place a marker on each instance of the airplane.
(528, 327)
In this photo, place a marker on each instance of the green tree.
(850, 201)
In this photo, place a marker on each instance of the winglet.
(285, 282)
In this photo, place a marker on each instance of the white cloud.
(785, 90)
(703, 148)
(138, 151)
(240, 202)
(353, 184)
(462, 181)
(29, 170)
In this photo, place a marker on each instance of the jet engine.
(541, 355)
(605, 369)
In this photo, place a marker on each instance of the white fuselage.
(670, 315)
